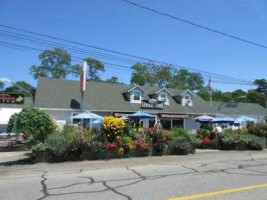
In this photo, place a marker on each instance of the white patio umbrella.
(203, 118)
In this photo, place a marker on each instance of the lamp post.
(21, 88)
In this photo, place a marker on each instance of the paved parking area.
(211, 175)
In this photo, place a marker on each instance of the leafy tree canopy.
(113, 79)
(183, 79)
(2, 85)
(55, 63)
(262, 84)
(165, 76)
(94, 67)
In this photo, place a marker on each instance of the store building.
(61, 99)
(11, 104)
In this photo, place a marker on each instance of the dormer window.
(187, 97)
(136, 96)
(163, 96)
(186, 100)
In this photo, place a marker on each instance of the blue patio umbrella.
(94, 118)
(87, 115)
(141, 115)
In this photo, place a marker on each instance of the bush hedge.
(33, 122)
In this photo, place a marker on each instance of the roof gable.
(156, 91)
(132, 87)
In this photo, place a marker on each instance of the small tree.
(35, 123)
(12, 123)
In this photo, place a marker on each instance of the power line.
(195, 24)
(124, 54)
(26, 38)
(79, 59)
(23, 38)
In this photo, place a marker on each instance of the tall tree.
(141, 75)
(262, 84)
(55, 63)
(163, 75)
(183, 79)
(15, 89)
(113, 79)
(239, 95)
(94, 67)
(2, 85)
(152, 74)
(254, 96)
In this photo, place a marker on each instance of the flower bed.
(253, 138)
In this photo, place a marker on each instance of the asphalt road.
(210, 175)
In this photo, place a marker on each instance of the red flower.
(206, 141)
(82, 138)
(110, 146)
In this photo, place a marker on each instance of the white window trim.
(167, 102)
(189, 99)
(187, 95)
(136, 101)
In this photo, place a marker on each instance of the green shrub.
(158, 142)
(259, 129)
(70, 141)
(255, 142)
(214, 143)
(35, 123)
(202, 133)
(230, 140)
(58, 144)
(39, 147)
(94, 145)
(12, 123)
(180, 146)
(241, 140)
(178, 131)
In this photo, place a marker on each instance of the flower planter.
(155, 153)
(138, 153)
(242, 147)
(228, 147)
(41, 156)
(88, 155)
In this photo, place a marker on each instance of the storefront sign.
(12, 98)
(152, 104)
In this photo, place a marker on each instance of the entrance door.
(166, 123)
(178, 123)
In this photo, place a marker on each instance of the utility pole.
(210, 91)
(265, 94)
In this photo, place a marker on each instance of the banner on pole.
(83, 77)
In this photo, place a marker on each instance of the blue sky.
(115, 25)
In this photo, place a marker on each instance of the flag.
(83, 77)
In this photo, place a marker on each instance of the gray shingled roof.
(241, 109)
(101, 96)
